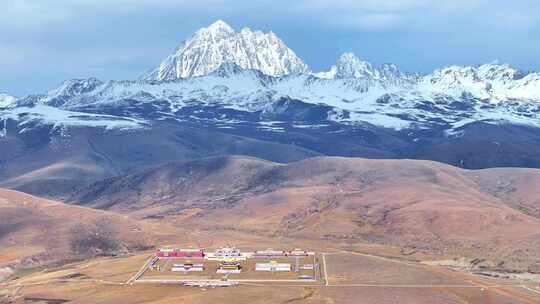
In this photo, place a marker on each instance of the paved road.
(324, 268)
(141, 271)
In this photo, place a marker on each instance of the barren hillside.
(35, 232)
(420, 205)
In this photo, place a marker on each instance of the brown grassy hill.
(199, 182)
(420, 205)
(36, 232)
(519, 188)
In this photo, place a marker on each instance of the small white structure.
(299, 252)
(222, 271)
(269, 253)
(272, 266)
(187, 267)
(226, 253)
(308, 267)
(229, 266)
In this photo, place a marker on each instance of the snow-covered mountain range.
(256, 73)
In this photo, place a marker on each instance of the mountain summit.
(212, 46)
(6, 100)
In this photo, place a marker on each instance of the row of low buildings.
(188, 267)
(179, 253)
(235, 267)
(232, 267)
(230, 257)
(228, 253)
(281, 253)
(225, 266)
(273, 266)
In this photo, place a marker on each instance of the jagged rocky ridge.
(210, 47)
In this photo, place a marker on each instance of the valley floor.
(367, 274)
(386, 231)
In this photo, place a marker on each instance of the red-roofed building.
(179, 253)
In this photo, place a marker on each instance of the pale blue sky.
(43, 42)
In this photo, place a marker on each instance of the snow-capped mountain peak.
(214, 32)
(499, 72)
(362, 74)
(6, 100)
(219, 26)
(350, 66)
(70, 89)
(494, 81)
(218, 43)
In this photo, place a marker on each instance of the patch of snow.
(313, 126)
(269, 123)
(382, 120)
(59, 118)
(3, 132)
(7, 100)
(271, 129)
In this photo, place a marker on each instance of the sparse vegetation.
(95, 240)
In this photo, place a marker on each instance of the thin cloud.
(424, 14)
(112, 38)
